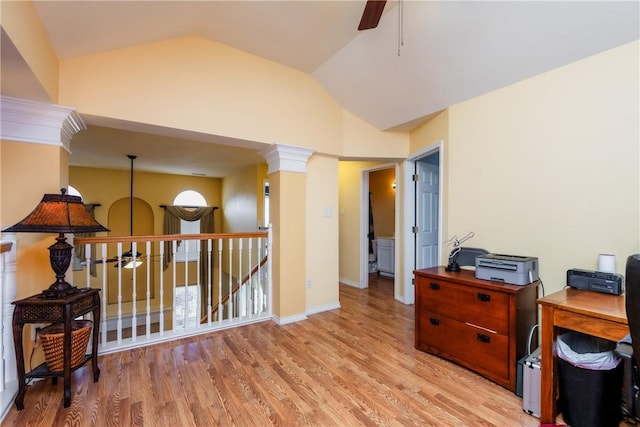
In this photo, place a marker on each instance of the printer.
(513, 269)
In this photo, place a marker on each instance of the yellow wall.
(262, 176)
(549, 167)
(350, 184)
(106, 186)
(240, 199)
(206, 87)
(289, 229)
(321, 232)
(23, 26)
(436, 129)
(243, 203)
(361, 140)
(20, 195)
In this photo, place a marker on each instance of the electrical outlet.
(308, 283)
(35, 327)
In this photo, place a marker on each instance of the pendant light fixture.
(128, 258)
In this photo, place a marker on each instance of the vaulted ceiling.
(423, 57)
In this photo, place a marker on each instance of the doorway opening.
(378, 224)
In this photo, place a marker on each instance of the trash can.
(590, 381)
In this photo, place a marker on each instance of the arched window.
(73, 192)
(190, 198)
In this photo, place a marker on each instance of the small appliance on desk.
(512, 269)
(598, 281)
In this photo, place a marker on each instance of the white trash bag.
(586, 351)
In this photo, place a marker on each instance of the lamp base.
(60, 259)
(453, 266)
(59, 290)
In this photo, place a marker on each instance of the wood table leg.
(96, 332)
(17, 341)
(67, 356)
(547, 367)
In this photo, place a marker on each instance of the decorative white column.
(287, 200)
(8, 367)
(286, 158)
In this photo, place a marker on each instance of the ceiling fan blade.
(99, 261)
(371, 15)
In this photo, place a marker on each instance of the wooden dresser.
(478, 324)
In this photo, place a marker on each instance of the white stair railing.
(217, 281)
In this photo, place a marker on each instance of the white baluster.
(119, 318)
(174, 250)
(231, 316)
(209, 281)
(148, 295)
(103, 318)
(220, 308)
(134, 291)
(161, 287)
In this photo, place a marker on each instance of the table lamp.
(59, 213)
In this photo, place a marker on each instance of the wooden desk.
(592, 313)
(37, 309)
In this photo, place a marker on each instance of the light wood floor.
(352, 366)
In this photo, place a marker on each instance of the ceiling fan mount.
(371, 14)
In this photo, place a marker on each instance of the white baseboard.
(289, 319)
(7, 397)
(350, 283)
(322, 308)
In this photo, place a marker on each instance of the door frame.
(364, 226)
(408, 216)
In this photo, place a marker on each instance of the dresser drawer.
(474, 347)
(482, 307)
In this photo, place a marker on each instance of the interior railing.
(246, 284)
(159, 288)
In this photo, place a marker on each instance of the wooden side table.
(38, 309)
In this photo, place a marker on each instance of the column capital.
(286, 158)
(38, 122)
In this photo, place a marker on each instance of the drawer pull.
(473, 325)
(484, 297)
(434, 321)
(484, 338)
(435, 286)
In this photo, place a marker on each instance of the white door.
(427, 199)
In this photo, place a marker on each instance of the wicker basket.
(52, 338)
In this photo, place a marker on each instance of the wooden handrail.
(167, 237)
(5, 246)
(236, 287)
